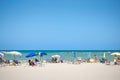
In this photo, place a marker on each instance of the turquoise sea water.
(67, 55)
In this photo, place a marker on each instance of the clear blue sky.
(60, 24)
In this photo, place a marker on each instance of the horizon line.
(63, 50)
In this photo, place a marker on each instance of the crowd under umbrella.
(14, 53)
(55, 58)
(115, 54)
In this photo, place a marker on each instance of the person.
(56, 60)
(103, 60)
(31, 63)
(1, 61)
(61, 59)
(13, 63)
(36, 60)
(88, 59)
(117, 61)
(96, 59)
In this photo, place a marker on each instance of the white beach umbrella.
(14, 53)
(115, 54)
(1, 54)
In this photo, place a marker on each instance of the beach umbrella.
(13, 53)
(1, 54)
(115, 54)
(32, 54)
(42, 54)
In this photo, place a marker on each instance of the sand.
(59, 71)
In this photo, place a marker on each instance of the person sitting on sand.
(1, 60)
(61, 59)
(36, 60)
(31, 63)
(102, 60)
(13, 63)
(117, 61)
(96, 59)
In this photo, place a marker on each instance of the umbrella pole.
(14, 57)
(39, 57)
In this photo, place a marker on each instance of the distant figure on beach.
(96, 58)
(61, 59)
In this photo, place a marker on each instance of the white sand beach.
(59, 71)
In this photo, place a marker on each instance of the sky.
(60, 24)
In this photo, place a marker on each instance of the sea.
(67, 55)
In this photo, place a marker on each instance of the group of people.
(91, 60)
(57, 60)
(97, 59)
(35, 62)
(104, 60)
(14, 62)
(31, 62)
